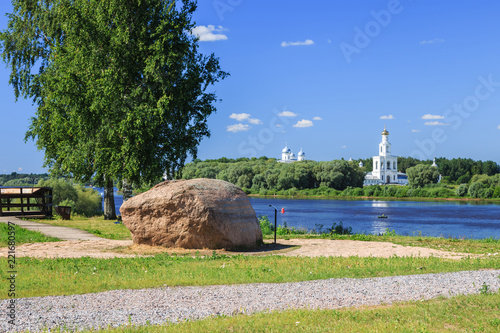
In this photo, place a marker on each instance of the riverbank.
(327, 197)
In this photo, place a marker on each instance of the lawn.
(23, 236)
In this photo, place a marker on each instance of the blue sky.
(326, 76)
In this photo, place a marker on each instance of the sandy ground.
(295, 247)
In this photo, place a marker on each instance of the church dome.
(301, 153)
(385, 132)
(286, 149)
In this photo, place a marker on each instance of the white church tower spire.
(385, 146)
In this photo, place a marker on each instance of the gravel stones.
(174, 304)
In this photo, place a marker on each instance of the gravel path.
(159, 305)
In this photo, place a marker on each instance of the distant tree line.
(266, 176)
(263, 174)
(453, 171)
(21, 179)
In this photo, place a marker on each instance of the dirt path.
(64, 233)
(78, 243)
(105, 248)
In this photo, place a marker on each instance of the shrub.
(82, 201)
(486, 193)
(402, 192)
(357, 192)
(265, 225)
(369, 190)
(475, 190)
(461, 190)
(339, 229)
(89, 202)
(389, 191)
(61, 190)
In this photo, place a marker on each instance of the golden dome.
(385, 132)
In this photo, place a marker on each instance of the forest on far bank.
(21, 179)
(266, 176)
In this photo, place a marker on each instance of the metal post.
(275, 226)
(275, 217)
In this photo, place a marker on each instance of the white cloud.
(287, 114)
(435, 123)
(19, 169)
(306, 42)
(432, 116)
(415, 131)
(209, 33)
(432, 41)
(238, 128)
(245, 116)
(317, 118)
(255, 121)
(240, 116)
(343, 147)
(498, 127)
(389, 117)
(304, 123)
(278, 125)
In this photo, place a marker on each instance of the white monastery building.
(385, 166)
(287, 156)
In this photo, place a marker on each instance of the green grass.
(476, 313)
(95, 225)
(42, 277)
(23, 236)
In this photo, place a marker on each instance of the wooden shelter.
(26, 201)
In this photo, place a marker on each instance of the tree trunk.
(127, 190)
(109, 201)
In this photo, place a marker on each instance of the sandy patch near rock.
(106, 248)
(347, 248)
(71, 249)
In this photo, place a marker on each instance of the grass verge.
(95, 225)
(476, 313)
(23, 236)
(42, 277)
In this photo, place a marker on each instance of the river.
(429, 218)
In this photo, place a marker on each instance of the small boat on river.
(383, 216)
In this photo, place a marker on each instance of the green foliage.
(265, 225)
(120, 87)
(328, 179)
(461, 190)
(475, 190)
(485, 289)
(421, 175)
(15, 179)
(62, 190)
(87, 202)
(339, 229)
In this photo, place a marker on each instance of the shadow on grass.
(261, 250)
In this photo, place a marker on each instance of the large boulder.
(192, 214)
